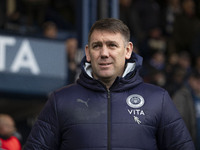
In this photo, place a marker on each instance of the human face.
(107, 52)
(7, 126)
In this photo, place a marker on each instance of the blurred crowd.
(166, 33)
(29, 16)
(51, 19)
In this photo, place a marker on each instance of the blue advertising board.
(31, 65)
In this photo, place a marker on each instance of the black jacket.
(131, 115)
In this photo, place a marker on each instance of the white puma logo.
(84, 102)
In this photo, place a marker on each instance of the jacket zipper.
(109, 120)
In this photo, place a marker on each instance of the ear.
(87, 53)
(129, 50)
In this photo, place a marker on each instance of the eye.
(96, 46)
(112, 45)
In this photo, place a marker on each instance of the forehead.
(6, 120)
(101, 36)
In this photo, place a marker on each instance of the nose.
(104, 52)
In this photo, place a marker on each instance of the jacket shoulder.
(151, 88)
(67, 90)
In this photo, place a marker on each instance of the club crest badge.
(135, 101)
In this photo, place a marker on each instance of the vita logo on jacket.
(135, 101)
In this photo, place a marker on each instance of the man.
(7, 130)
(109, 107)
(187, 101)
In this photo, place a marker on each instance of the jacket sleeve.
(45, 132)
(172, 132)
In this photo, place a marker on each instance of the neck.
(107, 84)
(107, 81)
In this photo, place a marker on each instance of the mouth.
(104, 65)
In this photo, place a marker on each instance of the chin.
(106, 77)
